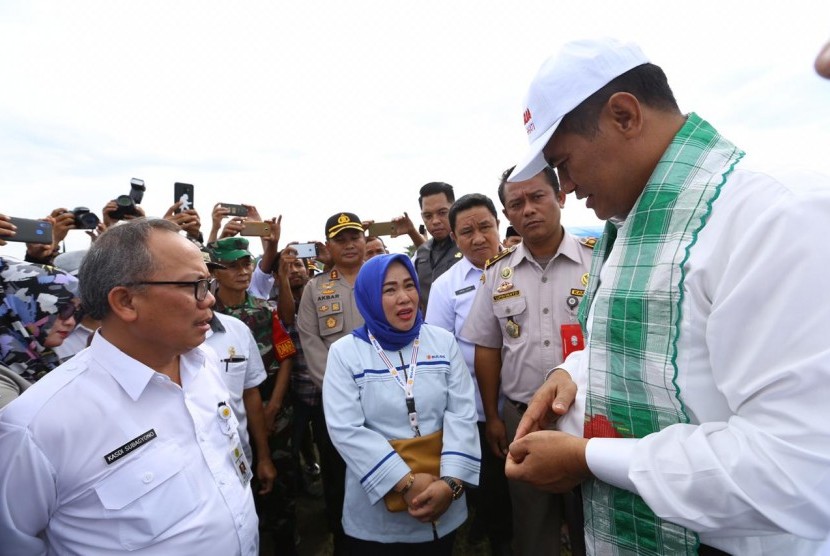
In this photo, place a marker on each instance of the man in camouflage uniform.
(277, 507)
(328, 312)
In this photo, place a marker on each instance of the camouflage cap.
(229, 249)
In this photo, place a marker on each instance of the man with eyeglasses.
(328, 312)
(439, 253)
(131, 445)
(232, 267)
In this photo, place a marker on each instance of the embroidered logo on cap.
(528, 118)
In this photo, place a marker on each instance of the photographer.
(188, 220)
(7, 229)
(112, 215)
(43, 253)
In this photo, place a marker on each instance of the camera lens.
(86, 221)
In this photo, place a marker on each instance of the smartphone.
(183, 192)
(235, 210)
(31, 231)
(305, 250)
(381, 229)
(254, 228)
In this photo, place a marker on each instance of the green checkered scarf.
(632, 351)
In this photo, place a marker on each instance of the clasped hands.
(428, 497)
(549, 460)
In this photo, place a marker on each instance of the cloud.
(307, 109)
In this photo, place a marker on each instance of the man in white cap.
(700, 420)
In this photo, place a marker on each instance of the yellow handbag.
(423, 455)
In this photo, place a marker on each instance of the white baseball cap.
(579, 70)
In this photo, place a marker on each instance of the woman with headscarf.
(37, 313)
(397, 378)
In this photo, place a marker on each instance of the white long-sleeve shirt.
(104, 455)
(453, 293)
(365, 408)
(239, 363)
(751, 472)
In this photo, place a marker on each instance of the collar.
(441, 245)
(568, 247)
(221, 307)
(216, 325)
(466, 267)
(132, 375)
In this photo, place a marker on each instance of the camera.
(84, 220)
(126, 203)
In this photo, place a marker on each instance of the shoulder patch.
(499, 257)
(588, 242)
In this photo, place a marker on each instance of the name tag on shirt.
(465, 290)
(127, 448)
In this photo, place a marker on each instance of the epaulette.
(588, 242)
(499, 257)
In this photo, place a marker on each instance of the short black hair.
(469, 201)
(550, 174)
(373, 238)
(434, 188)
(647, 82)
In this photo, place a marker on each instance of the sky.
(306, 109)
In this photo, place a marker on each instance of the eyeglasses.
(200, 287)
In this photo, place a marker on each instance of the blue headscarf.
(368, 291)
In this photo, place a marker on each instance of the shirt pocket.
(233, 374)
(512, 319)
(146, 497)
(330, 318)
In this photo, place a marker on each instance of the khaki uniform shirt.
(328, 311)
(521, 307)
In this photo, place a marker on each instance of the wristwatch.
(456, 487)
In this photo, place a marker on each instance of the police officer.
(523, 322)
(327, 313)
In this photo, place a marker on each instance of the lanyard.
(407, 383)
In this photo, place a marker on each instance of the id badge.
(240, 463)
(572, 339)
(228, 425)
